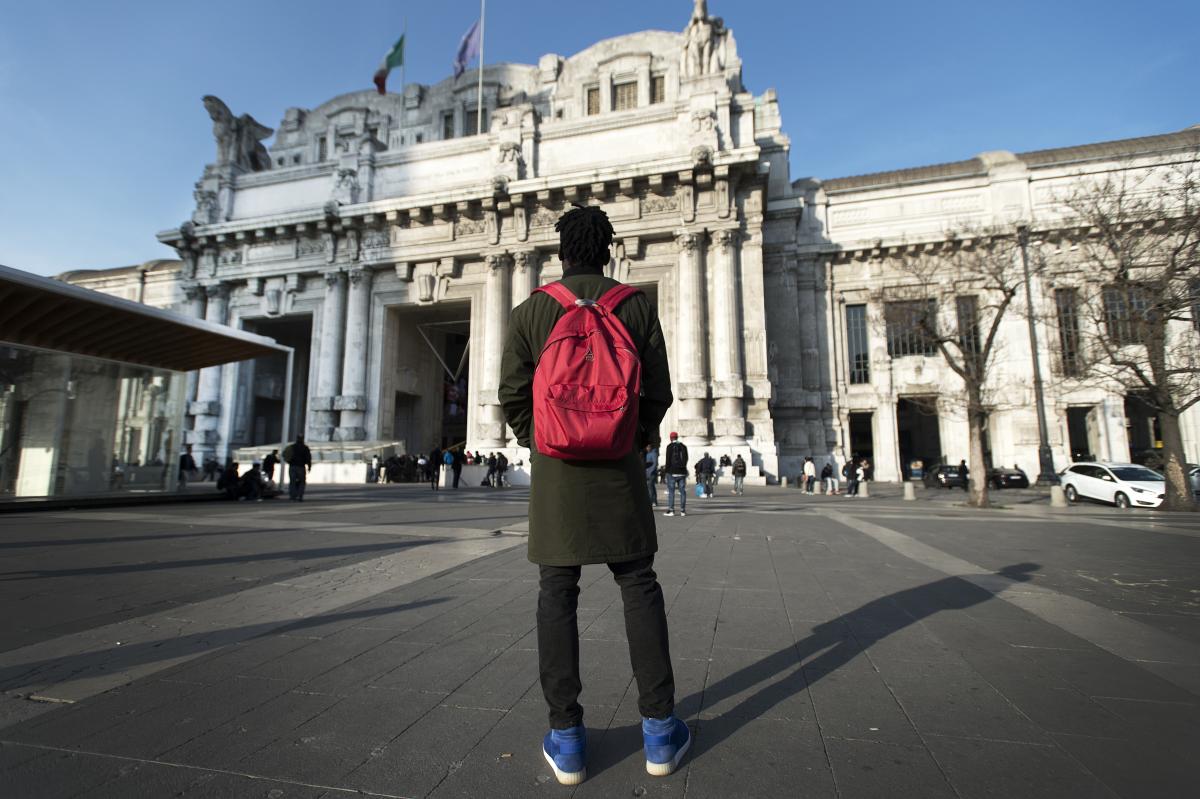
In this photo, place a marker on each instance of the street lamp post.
(1046, 474)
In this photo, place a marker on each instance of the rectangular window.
(909, 324)
(857, 345)
(1067, 303)
(1126, 314)
(658, 89)
(968, 325)
(472, 122)
(624, 96)
(448, 125)
(322, 148)
(593, 101)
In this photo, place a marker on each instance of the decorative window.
(322, 148)
(857, 344)
(593, 101)
(908, 325)
(658, 89)
(448, 125)
(967, 307)
(471, 124)
(624, 96)
(420, 137)
(1127, 313)
(296, 158)
(1067, 303)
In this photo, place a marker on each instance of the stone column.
(729, 423)
(207, 407)
(692, 382)
(193, 307)
(497, 304)
(353, 399)
(809, 354)
(322, 416)
(525, 277)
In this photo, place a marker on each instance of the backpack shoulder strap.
(616, 295)
(559, 292)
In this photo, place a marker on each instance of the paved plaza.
(379, 641)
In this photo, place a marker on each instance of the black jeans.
(645, 627)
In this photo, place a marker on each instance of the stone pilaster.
(352, 402)
(207, 407)
(497, 304)
(322, 414)
(193, 306)
(810, 356)
(691, 389)
(525, 276)
(728, 385)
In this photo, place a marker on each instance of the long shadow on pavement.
(199, 643)
(830, 646)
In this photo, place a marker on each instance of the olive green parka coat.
(586, 511)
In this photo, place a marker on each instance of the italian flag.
(394, 58)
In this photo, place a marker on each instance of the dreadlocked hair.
(584, 236)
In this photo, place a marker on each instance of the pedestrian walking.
(491, 470)
(677, 472)
(187, 466)
(298, 457)
(650, 458)
(963, 471)
(501, 470)
(434, 464)
(810, 475)
(585, 508)
(850, 472)
(456, 464)
(269, 464)
(708, 470)
(860, 475)
(739, 475)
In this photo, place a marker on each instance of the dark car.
(943, 476)
(1008, 478)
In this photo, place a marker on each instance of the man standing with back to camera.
(584, 511)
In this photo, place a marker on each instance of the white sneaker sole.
(564, 777)
(666, 769)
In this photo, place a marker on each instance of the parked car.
(1000, 477)
(1122, 484)
(943, 476)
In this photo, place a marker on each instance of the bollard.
(910, 493)
(783, 481)
(1057, 498)
(863, 490)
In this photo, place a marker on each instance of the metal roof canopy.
(41, 312)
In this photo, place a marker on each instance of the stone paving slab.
(811, 657)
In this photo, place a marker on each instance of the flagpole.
(479, 90)
(403, 36)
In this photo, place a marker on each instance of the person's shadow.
(830, 646)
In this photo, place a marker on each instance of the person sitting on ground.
(228, 482)
(594, 510)
(250, 484)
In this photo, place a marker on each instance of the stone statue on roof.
(239, 139)
(703, 43)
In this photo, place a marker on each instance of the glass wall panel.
(72, 426)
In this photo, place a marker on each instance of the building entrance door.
(430, 384)
(918, 436)
(1083, 432)
(862, 435)
(266, 380)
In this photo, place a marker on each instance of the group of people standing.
(427, 467)
(855, 471)
(674, 472)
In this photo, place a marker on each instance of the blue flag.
(468, 49)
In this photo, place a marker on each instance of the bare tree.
(950, 298)
(1136, 237)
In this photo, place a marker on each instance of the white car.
(1122, 484)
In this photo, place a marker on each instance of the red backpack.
(588, 380)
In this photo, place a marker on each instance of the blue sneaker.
(667, 741)
(566, 752)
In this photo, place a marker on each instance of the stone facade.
(389, 243)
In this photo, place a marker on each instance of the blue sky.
(102, 132)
